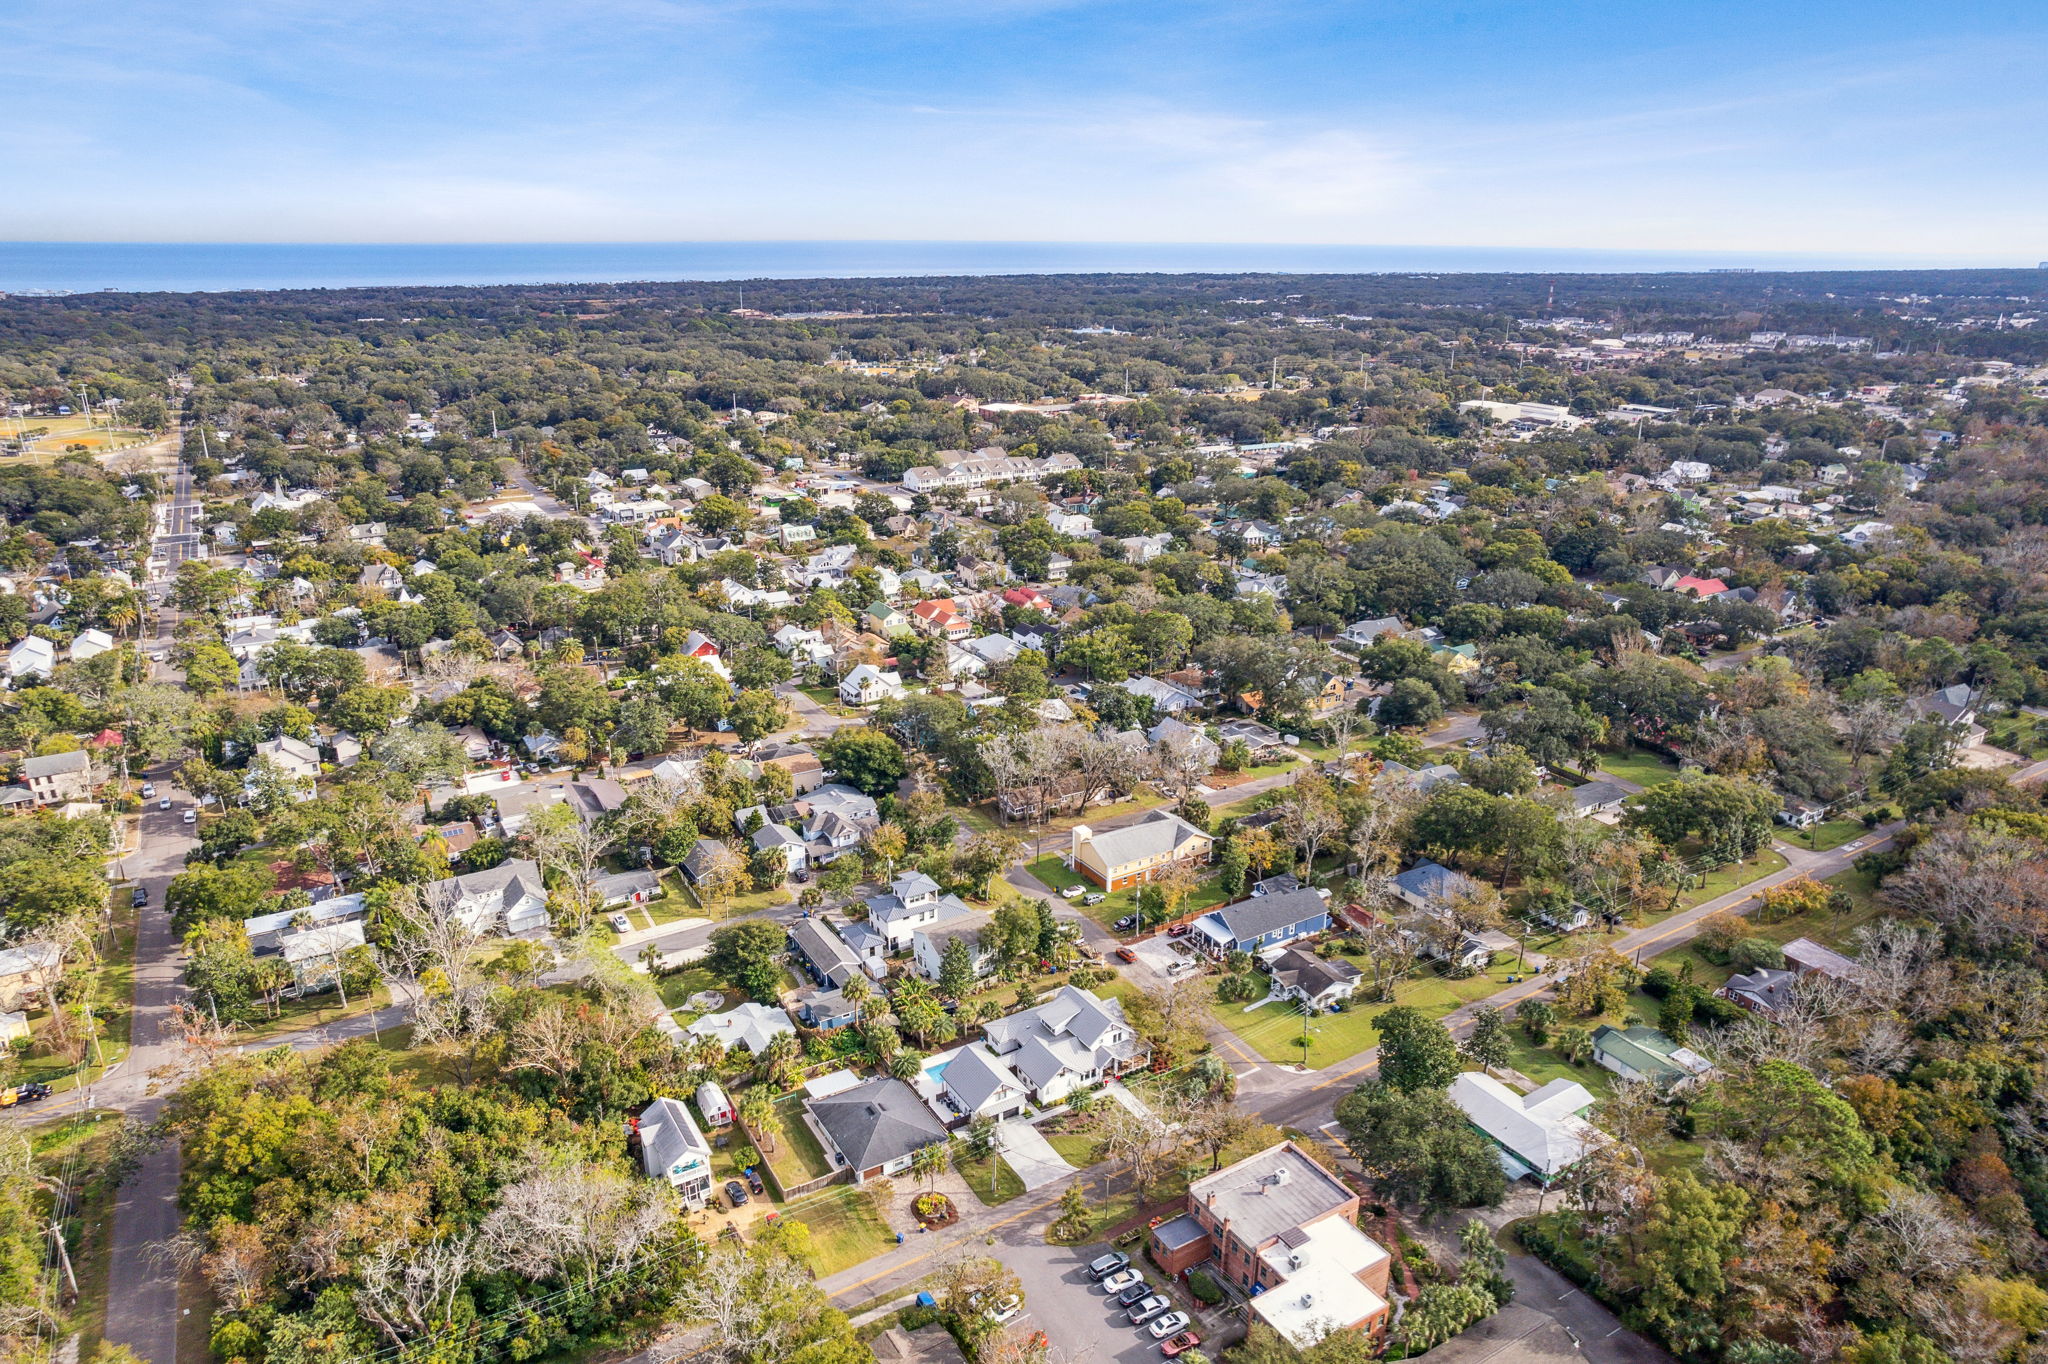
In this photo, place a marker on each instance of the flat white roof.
(1324, 1293)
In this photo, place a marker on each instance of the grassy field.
(676, 989)
(1828, 836)
(795, 1146)
(113, 1003)
(1734, 876)
(844, 1228)
(991, 1179)
(1829, 930)
(1054, 873)
(1274, 1030)
(312, 1011)
(1640, 766)
(60, 433)
(2026, 735)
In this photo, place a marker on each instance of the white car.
(1072, 893)
(1170, 1324)
(621, 924)
(164, 804)
(1006, 1310)
(191, 816)
(1119, 1281)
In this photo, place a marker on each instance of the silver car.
(1148, 1308)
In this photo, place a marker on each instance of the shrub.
(1751, 953)
(1204, 1288)
(1657, 982)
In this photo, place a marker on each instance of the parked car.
(1127, 923)
(754, 1181)
(1093, 897)
(1104, 1266)
(191, 816)
(621, 924)
(1126, 954)
(1147, 1308)
(148, 790)
(735, 1192)
(1180, 930)
(1171, 1324)
(1132, 1293)
(1072, 893)
(1116, 1283)
(1180, 1344)
(164, 804)
(1006, 1310)
(139, 896)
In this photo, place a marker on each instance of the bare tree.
(1183, 759)
(582, 1223)
(1310, 819)
(408, 1290)
(431, 965)
(575, 848)
(744, 1297)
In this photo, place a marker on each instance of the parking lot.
(1078, 1319)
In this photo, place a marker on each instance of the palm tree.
(757, 1111)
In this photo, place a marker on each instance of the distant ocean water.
(142, 267)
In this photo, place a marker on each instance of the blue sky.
(1913, 132)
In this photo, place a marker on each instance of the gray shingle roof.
(1249, 919)
(877, 1121)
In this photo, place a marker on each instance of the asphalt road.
(142, 1309)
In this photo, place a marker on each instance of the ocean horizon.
(153, 267)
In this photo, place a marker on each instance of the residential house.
(750, 1025)
(971, 1083)
(1116, 858)
(823, 1008)
(868, 685)
(27, 974)
(1166, 697)
(973, 469)
(1809, 958)
(58, 778)
(704, 855)
(1436, 891)
(1262, 923)
(90, 644)
(1317, 982)
(31, 657)
(822, 953)
(875, 1127)
(1283, 1232)
(928, 941)
(1538, 1136)
(315, 954)
(941, 618)
(712, 1102)
(672, 1148)
(795, 853)
(1593, 799)
(806, 770)
(1648, 1055)
(1956, 705)
(627, 888)
(1363, 634)
(266, 931)
(1073, 1040)
(1764, 990)
(508, 898)
(913, 902)
(296, 758)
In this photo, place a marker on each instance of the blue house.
(822, 1007)
(1263, 922)
(822, 953)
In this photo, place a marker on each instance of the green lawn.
(1544, 1064)
(1829, 930)
(795, 1144)
(1075, 1148)
(844, 1228)
(993, 1186)
(312, 1011)
(1824, 837)
(676, 989)
(1053, 872)
(1640, 766)
(1274, 1030)
(2026, 735)
(1732, 877)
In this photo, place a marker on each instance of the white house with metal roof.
(1538, 1136)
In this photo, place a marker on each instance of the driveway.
(1031, 1155)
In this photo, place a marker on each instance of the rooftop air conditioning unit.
(1308, 1300)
